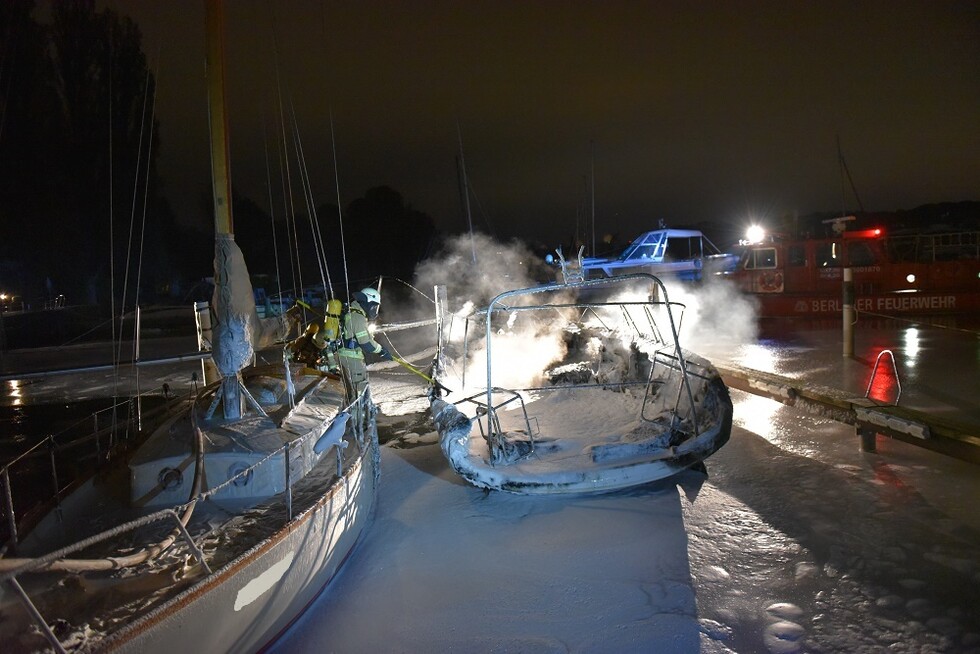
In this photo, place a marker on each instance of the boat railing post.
(39, 620)
(440, 295)
(54, 471)
(289, 488)
(98, 443)
(848, 317)
(136, 353)
(137, 412)
(8, 500)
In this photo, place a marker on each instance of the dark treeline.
(78, 146)
(75, 104)
(382, 235)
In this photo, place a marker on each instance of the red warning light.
(865, 233)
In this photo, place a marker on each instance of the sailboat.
(218, 530)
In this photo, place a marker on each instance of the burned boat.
(621, 403)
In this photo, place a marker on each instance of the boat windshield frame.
(657, 289)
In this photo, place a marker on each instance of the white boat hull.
(246, 604)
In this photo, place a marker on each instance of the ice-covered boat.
(616, 401)
(219, 529)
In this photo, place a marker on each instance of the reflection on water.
(937, 361)
(760, 356)
(911, 341)
(25, 425)
(756, 413)
(13, 391)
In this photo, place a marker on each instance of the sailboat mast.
(218, 117)
(233, 303)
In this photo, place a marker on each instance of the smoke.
(717, 318)
(498, 267)
(523, 344)
(714, 321)
(470, 285)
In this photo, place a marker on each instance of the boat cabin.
(682, 253)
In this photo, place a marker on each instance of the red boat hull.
(822, 306)
(900, 275)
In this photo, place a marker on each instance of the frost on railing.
(627, 318)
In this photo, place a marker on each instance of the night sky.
(709, 111)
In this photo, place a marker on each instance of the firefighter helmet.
(371, 295)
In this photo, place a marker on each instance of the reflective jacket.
(356, 336)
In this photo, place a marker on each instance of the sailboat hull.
(250, 601)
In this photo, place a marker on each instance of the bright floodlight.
(755, 234)
(910, 278)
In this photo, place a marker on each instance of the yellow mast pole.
(220, 154)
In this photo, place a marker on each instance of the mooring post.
(848, 312)
(869, 439)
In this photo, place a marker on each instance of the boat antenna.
(466, 189)
(845, 171)
(592, 188)
(340, 215)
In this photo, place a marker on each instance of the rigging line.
(310, 209)
(272, 208)
(112, 256)
(340, 214)
(146, 192)
(310, 204)
(285, 207)
(287, 177)
(5, 77)
(483, 212)
(402, 281)
(466, 189)
(132, 213)
(845, 170)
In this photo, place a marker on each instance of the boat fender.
(334, 434)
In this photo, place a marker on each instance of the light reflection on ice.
(911, 342)
(14, 392)
(755, 414)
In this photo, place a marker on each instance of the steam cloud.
(716, 319)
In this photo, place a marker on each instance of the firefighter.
(306, 349)
(356, 339)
